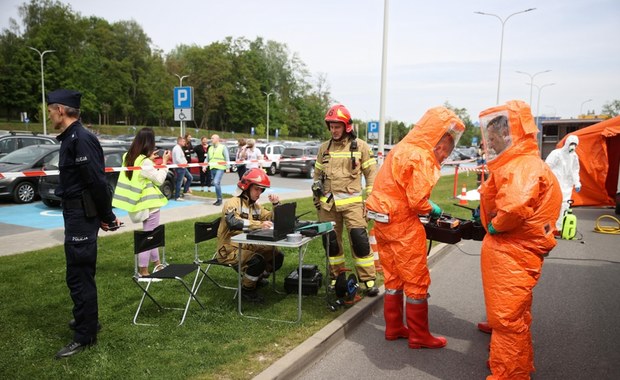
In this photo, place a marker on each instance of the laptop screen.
(284, 219)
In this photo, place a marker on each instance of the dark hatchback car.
(113, 158)
(11, 141)
(23, 189)
(298, 160)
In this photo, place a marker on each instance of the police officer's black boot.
(72, 349)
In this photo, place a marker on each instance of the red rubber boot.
(417, 321)
(393, 314)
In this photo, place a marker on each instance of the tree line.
(124, 80)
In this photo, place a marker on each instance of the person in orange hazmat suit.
(519, 205)
(409, 173)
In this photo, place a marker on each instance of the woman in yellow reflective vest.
(137, 192)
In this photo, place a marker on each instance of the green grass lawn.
(215, 343)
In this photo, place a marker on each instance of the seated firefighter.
(241, 214)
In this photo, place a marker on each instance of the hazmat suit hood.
(435, 123)
(411, 169)
(513, 124)
(571, 139)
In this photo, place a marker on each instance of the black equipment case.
(311, 279)
(451, 230)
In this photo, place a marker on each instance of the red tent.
(599, 158)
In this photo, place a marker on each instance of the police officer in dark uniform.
(86, 207)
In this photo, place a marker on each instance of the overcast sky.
(438, 50)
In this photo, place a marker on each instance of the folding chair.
(146, 240)
(204, 231)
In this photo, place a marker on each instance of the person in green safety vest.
(218, 158)
(137, 192)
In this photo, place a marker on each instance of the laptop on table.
(283, 224)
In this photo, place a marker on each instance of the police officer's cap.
(69, 98)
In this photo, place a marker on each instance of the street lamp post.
(540, 88)
(268, 95)
(538, 110)
(581, 107)
(532, 81)
(501, 46)
(43, 108)
(181, 122)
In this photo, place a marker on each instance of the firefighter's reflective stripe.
(372, 240)
(336, 260)
(377, 216)
(367, 163)
(365, 261)
(345, 199)
(318, 165)
(251, 278)
(345, 154)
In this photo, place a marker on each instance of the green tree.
(123, 79)
(612, 108)
(470, 129)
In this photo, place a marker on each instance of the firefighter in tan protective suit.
(241, 214)
(341, 163)
(407, 178)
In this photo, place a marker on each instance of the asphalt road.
(575, 328)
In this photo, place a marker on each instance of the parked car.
(303, 159)
(272, 154)
(113, 158)
(33, 157)
(12, 141)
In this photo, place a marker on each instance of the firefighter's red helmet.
(256, 177)
(340, 114)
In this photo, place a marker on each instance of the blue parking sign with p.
(183, 97)
(373, 127)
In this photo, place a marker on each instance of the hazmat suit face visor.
(495, 130)
(447, 142)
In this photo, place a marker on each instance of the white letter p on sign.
(183, 96)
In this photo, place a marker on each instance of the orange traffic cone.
(374, 249)
(463, 198)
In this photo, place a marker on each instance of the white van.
(271, 154)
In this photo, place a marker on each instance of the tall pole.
(381, 141)
(43, 108)
(532, 81)
(501, 46)
(268, 95)
(581, 107)
(540, 88)
(181, 123)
